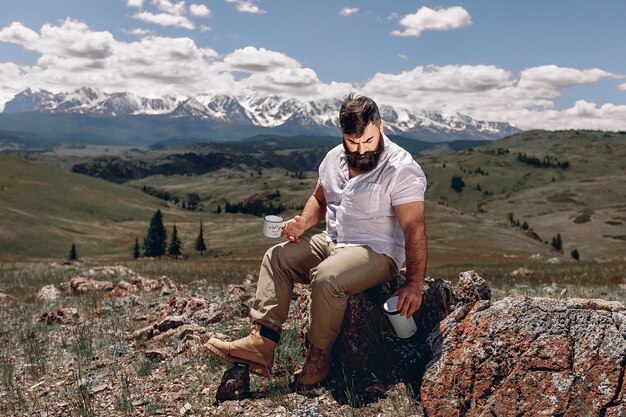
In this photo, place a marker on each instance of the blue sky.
(545, 64)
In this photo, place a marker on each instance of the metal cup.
(272, 226)
(404, 327)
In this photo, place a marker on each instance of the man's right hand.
(294, 228)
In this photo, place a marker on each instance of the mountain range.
(92, 115)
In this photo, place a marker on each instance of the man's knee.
(326, 282)
(273, 254)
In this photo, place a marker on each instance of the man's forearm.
(416, 247)
(313, 212)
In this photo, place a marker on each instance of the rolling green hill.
(44, 210)
(585, 203)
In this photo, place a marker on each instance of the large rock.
(48, 293)
(368, 348)
(82, 285)
(65, 315)
(528, 357)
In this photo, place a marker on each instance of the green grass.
(43, 210)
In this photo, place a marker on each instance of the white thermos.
(404, 327)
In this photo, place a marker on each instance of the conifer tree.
(136, 249)
(174, 248)
(200, 245)
(155, 242)
(72, 255)
(557, 243)
(457, 183)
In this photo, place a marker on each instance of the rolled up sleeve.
(408, 185)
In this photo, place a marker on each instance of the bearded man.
(371, 193)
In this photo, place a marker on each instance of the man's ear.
(381, 127)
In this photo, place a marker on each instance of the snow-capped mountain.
(287, 115)
(89, 101)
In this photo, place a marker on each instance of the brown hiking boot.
(253, 350)
(315, 368)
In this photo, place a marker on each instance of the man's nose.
(360, 148)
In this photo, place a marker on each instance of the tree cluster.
(190, 202)
(256, 208)
(457, 183)
(557, 243)
(155, 242)
(524, 226)
(478, 170)
(545, 162)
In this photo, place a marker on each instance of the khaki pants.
(333, 273)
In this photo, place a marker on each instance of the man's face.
(363, 152)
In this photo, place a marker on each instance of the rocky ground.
(110, 342)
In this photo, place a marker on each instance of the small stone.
(5, 298)
(185, 409)
(170, 322)
(235, 384)
(522, 272)
(48, 293)
(99, 388)
(238, 293)
(156, 355)
(144, 333)
(64, 315)
(37, 385)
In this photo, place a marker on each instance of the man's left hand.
(409, 299)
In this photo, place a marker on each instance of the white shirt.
(360, 210)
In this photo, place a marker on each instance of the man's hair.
(356, 113)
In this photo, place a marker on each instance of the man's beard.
(362, 164)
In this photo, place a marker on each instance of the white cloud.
(137, 32)
(205, 28)
(402, 56)
(199, 10)
(247, 6)
(583, 115)
(166, 6)
(284, 81)
(433, 19)
(71, 39)
(134, 3)
(491, 93)
(347, 11)
(19, 34)
(449, 78)
(251, 59)
(551, 76)
(164, 19)
(71, 55)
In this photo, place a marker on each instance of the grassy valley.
(45, 208)
(87, 354)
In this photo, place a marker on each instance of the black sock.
(270, 334)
